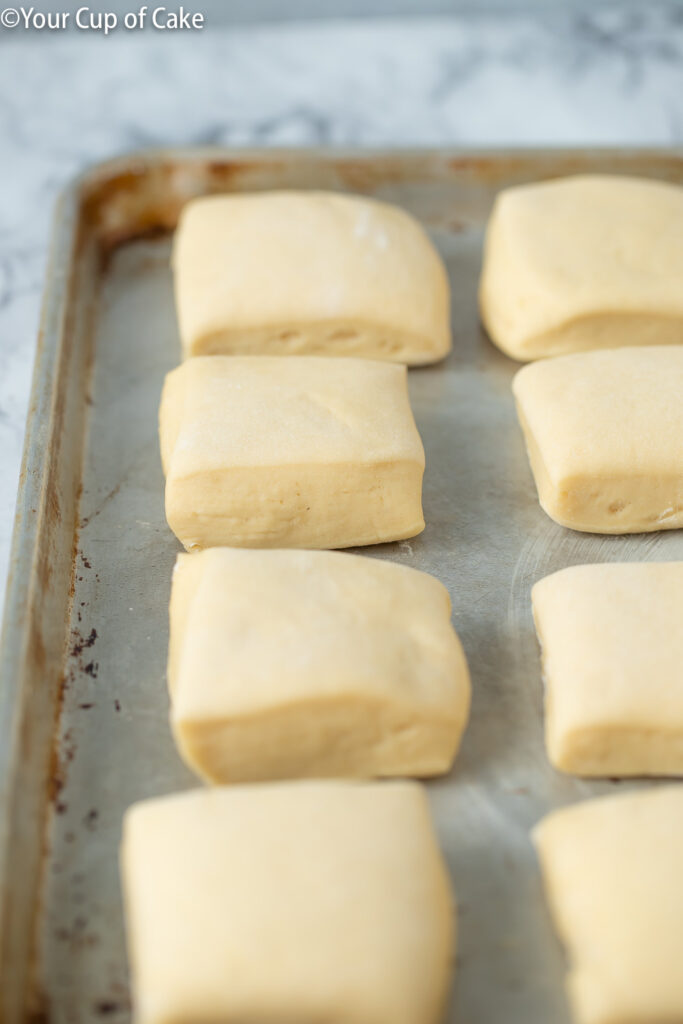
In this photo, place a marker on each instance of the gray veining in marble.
(611, 76)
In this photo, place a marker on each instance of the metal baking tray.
(83, 704)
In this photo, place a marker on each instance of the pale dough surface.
(612, 643)
(287, 664)
(267, 451)
(301, 273)
(604, 432)
(295, 902)
(612, 871)
(594, 261)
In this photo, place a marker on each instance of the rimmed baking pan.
(83, 704)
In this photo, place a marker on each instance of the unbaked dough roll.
(604, 433)
(292, 273)
(612, 643)
(612, 872)
(292, 903)
(289, 664)
(594, 261)
(267, 451)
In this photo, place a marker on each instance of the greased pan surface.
(83, 704)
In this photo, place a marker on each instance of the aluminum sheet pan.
(83, 705)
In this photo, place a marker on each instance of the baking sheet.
(99, 616)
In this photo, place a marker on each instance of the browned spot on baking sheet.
(81, 643)
(107, 498)
(91, 817)
(107, 1007)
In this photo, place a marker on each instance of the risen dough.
(312, 663)
(612, 640)
(298, 902)
(285, 273)
(612, 869)
(604, 431)
(582, 263)
(265, 451)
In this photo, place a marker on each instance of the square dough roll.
(612, 872)
(287, 664)
(306, 273)
(582, 263)
(604, 432)
(266, 451)
(296, 902)
(612, 642)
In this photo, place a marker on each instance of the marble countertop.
(604, 76)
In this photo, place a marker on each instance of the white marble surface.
(607, 76)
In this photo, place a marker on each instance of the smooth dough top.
(269, 411)
(301, 902)
(612, 869)
(373, 626)
(306, 273)
(591, 261)
(612, 638)
(618, 413)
